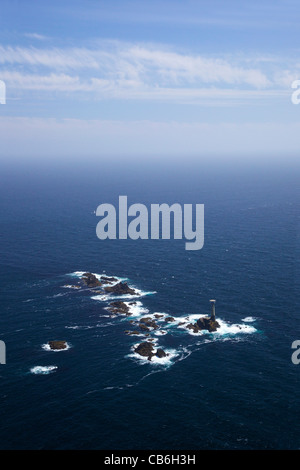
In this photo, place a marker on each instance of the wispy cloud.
(117, 70)
(36, 36)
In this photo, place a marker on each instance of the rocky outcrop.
(90, 280)
(147, 349)
(160, 353)
(119, 307)
(121, 288)
(57, 345)
(147, 321)
(204, 323)
(168, 319)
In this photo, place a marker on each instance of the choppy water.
(233, 389)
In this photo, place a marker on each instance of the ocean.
(236, 388)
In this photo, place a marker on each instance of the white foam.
(233, 329)
(42, 369)
(249, 319)
(225, 328)
(78, 327)
(111, 296)
(160, 332)
(136, 309)
(99, 276)
(70, 286)
(161, 361)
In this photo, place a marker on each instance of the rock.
(57, 344)
(160, 353)
(158, 315)
(119, 307)
(108, 279)
(143, 327)
(145, 349)
(90, 280)
(206, 323)
(149, 322)
(120, 289)
(134, 332)
(193, 327)
(170, 319)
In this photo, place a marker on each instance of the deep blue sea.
(233, 389)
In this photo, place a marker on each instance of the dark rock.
(206, 323)
(157, 315)
(143, 327)
(108, 279)
(57, 344)
(170, 319)
(134, 332)
(193, 327)
(119, 307)
(90, 280)
(160, 353)
(149, 322)
(120, 289)
(145, 349)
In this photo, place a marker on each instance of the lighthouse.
(213, 310)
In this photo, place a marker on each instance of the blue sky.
(141, 78)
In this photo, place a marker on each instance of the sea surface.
(236, 388)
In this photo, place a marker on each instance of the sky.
(168, 78)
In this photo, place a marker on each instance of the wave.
(249, 319)
(44, 370)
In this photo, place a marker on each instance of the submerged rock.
(108, 279)
(134, 332)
